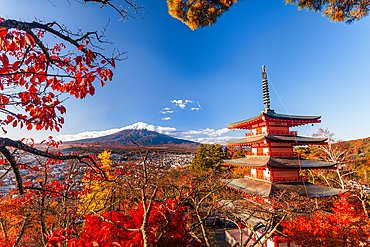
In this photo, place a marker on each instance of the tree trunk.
(202, 227)
(42, 221)
(340, 179)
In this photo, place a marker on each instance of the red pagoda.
(272, 164)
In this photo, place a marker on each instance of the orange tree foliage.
(50, 204)
(198, 13)
(347, 225)
(202, 13)
(12, 214)
(33, 76)
(336, 10)
(112, 216)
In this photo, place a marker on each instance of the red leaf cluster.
(101, 231)
(347, 225)
(34, 77)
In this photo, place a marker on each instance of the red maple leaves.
(33, 77)
(346, 225)
(117, 228)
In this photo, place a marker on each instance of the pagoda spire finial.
(266, 95)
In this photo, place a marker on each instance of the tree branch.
(6, 142)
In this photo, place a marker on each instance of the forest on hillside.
(100, 202)
(352, 158)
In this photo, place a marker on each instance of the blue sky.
(317, 68)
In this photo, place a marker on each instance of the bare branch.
(20, 235)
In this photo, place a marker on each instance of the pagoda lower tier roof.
(292, 120)
(279, 138)
(268, 189)
(279, 162)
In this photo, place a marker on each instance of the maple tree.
(126, 198)
(115, 228)
(35, 74)
(202, 190)
(202, 13)
(122, 219)
(48, 202)
(34, 77)
(346, 225)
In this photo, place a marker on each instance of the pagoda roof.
(279, 162)
(281, 138)
(292, 120)
(267, 189)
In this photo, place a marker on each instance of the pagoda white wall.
(253, 172)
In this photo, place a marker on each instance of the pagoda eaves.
(283, 139)
(291, 120)
(279, 162)
(262, 189)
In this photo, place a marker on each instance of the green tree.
(216, 155)
(208, 156)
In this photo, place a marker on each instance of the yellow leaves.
(99, 191)
(105, 159)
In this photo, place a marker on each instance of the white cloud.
(211, 140)
(181, 103)
(202, 135)
(194, 106)
(166, 112)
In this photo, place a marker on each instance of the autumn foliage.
(337, 10)
(34, 77)
(347, 225)
(202, 13)
(199, 13)
(56, 210)
(111, 228)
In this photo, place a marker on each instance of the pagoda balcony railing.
(258, 154)
(271, 154)
(272, 132)
(282, 179)
(276, 179)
